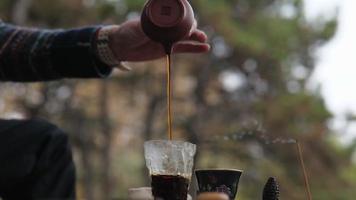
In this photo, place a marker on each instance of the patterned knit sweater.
(28, 55)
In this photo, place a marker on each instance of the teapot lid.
(166, 13)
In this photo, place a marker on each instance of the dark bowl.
(218, 180)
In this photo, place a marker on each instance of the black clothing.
(35, 161)
(41, 55)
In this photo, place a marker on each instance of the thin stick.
(169, 97)
(306, 181)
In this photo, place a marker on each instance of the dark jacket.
(28, 55)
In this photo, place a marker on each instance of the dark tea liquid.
(169, 187)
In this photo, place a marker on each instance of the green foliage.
(135, 4)
(106, 10)
(5, 7)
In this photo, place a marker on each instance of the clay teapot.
(167, 21)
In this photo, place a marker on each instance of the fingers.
(198, 36)
(195, 25)
(191, 47)
(195, 43)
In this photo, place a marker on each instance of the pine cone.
(271, 190)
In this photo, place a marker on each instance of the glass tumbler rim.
(168, 141)
(218, 169)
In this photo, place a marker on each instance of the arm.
(42, 55)
(33, 55)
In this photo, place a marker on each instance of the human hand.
(129, 43)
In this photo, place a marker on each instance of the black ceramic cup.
(218, 180)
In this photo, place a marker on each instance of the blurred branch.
(20, 11)
(106, 130)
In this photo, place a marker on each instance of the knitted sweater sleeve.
(28, 55)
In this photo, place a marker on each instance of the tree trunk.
(85, 148)
(106, 132)
(82, 136)
(148, 126)
(20, 11)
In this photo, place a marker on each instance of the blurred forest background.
(241, 103)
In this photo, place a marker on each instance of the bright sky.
(336, 68)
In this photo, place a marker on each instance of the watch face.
(166, 13)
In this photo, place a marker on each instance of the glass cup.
(218, 180)
(170, 164)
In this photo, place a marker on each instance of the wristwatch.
(104, 51)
